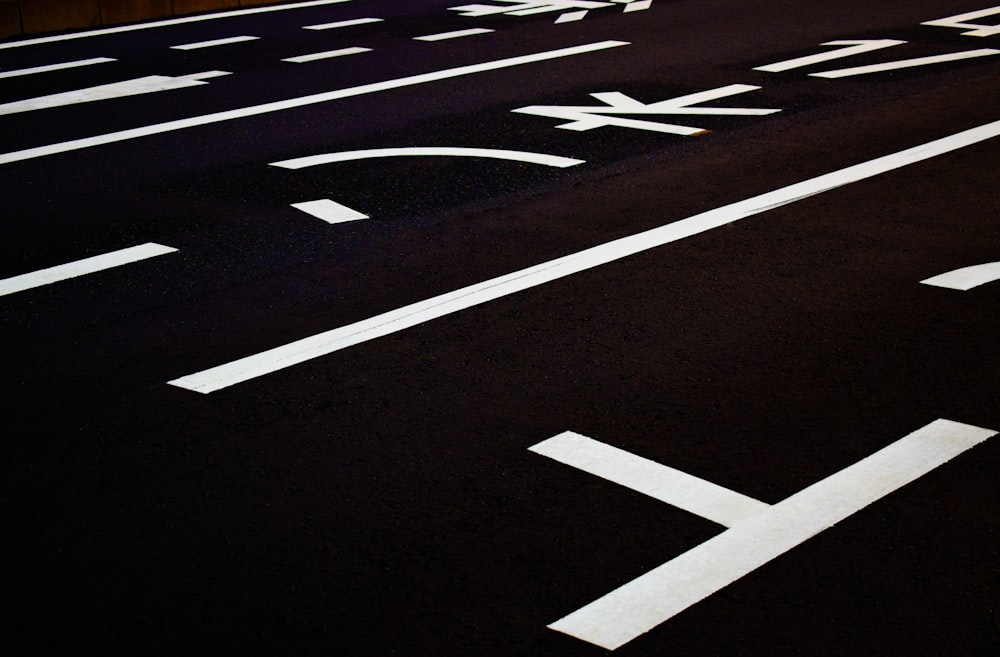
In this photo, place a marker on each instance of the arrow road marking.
(853, 48)
(966, 278)
(961, 23)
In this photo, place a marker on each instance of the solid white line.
(302, 101)
(214, 43)
(343, 52)
(328, 342)
(453, 35)
(571, 17)
(447, 151)
(693, 494)
(82, 267)
(330, 211)
(56, 67)
(352, 22)
(166, 23)
(906, 63)
(966, 278)
(852, 48)
(657, 596)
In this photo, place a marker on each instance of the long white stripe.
(663, 483)
(56, 67)
(852, 48)
(82, 267)
(343, 52)
(655, 597)
(458, 34)
(302, 101)
(966, 278)
(906, 63)
(328, 342)
(442, 151)
(350, 23)
(214, 42)
(166, 23)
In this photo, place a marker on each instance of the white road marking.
(663, 483)
(350, 23)
(147, 85)
(418, 313)
(638, 6)
(527, 7)
(215, 42)
(82, 267)
(457, 34)
(571, 17)
(961, 23)
(166, 23)
(446, 151)
(851, 48)
(343, 52)
(330, 211)
(657, 596)
(302, 101)
(55, 67)
(966, 278)
(906, 63)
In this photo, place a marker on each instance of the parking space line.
(82, 267)
(328, 342)
(457, 34)
(302, 101)
(213, 43)
(343, 52)
(337, 24)
(966, 278)
(56, 67)
(906, 63)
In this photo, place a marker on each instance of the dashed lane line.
(339, 24)
(199, 45)
(56, 67)
(431, 151)
(457, 34)
(329, 54)
(906, 63)
(966, 278)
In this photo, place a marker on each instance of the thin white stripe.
(302, 101)
(322, 344)
(966, 278)
(446, 151)
(663, 483)
(851, 48)
(166, 23)
(571, 17)
(343, 52)
(657, 596)
(214, 43)
(332, 26)
(82, 267)
(453, 35)
(56, 67)
(906, 63)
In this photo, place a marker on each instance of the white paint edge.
(966, 278)
(343, 52)
(330, 211)
(457, 34)
(446, 151)
(906, 63)
(82, 267)
(414, 314)
(214, 43)
(339, 24)
(56, 67)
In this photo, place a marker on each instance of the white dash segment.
(653, 598)
(640, 5)
(215, 42)
(850, 49)
(966, 278)
(571, 17)
(457, 34)
(343, 52)
(55, 67)
(339, 24)
(330, 211)
(82, 267)
(906, 63)
(961, 22)
(663, 483)
(432, 151)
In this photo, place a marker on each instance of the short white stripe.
(851, 49)
(966, 278)
(445, 151)
(679, 489)
(571, 17)
(82, 267)
(56, 67)
(166, 23)
(214, 43)
(329, 211)
(343, 52)
(453, 35)
(302, 101)
(906, 63)
(332, 26)
(322, 344)
(657, 596)
(638, 6)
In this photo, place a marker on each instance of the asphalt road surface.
(665, 354)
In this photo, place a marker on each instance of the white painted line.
(851, 48)
(527, 7)
(657, 596)
(166, 23)
(453, 35)
(55, 67)
(330, 211)
(663, 483)
(390, 322)
(906, 63)
(571, 17)
(638, 6)
(82, 267)
(966, 278)
(446, 151)
(350, 23)
(960, 22)
(214, 43)
(147, 85)
(343, 52)
(302, 101)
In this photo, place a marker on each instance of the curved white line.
(346, 156)
(966, 278)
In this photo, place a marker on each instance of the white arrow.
(852, 48)
(147, 85)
